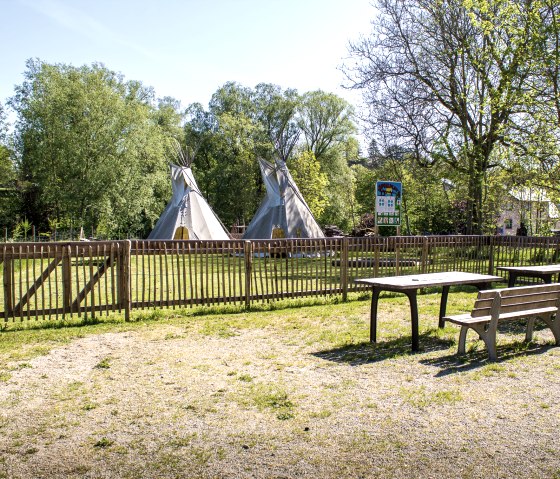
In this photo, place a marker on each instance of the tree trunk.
(475, 199)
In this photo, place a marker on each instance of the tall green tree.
(276, 112)
(90, 146)
(244, 124)
(9, 194)
(450, 80)
(233, 182)
(311, 181)
(326, 121)
(6, 166)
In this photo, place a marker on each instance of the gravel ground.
(178, 400)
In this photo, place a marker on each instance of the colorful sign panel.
(388, 203)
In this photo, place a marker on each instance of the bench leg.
(529, 332)
(488, 336)
(492, 353)
(462, 339)
(554, 324)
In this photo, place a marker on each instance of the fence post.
(344, 268)
(8, 300)
(126, 293)
(396, 242)
(424, 258)
(248, 256)
(491, 256)
(66, 280)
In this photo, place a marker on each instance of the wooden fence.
(60, 280)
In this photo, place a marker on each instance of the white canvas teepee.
(283, 212)
(187, 215)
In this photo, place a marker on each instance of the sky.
(187, 49)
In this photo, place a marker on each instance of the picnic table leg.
(373, 315)
(512, 278)
(443, 306)
(413, 318)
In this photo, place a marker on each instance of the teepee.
(187, 215)
(283, 212)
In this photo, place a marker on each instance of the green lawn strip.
(331, 322)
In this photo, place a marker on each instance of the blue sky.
(187, 49)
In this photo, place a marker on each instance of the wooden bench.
(492, 306)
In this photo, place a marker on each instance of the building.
(530, 206)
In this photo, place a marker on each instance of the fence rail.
(60, 280)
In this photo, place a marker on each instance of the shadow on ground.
(366, 352)
(452, 363)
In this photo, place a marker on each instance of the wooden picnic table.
(410, 284)
(543, 272)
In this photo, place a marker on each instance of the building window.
(508, 224)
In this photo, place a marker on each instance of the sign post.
(388, 195)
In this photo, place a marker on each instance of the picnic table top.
(547, 268)
(415, 281)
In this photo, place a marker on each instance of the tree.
(8, 192)
(91, 148)
(234, 180)
(244, 124)
(311, 182)
(325, 120)
(449, 79)
(276, 111)
(6, 166)
(227, 140)
(234, 99)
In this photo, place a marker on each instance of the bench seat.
(492, 306)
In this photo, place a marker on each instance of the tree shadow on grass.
(367, 353)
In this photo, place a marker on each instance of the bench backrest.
(517, 299)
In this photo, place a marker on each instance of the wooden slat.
(36, 285)
(56, 289)
(113, 253)
(172, 261)
(143, 271)
(91, 279)
(517, 299)
(525, 314)
(94, 278)
(191, 282)
(519, 290)
(8, 284)
(83, 253)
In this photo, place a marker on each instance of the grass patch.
(421, 398)
(103, 443)
(105, 363)
(267, 397)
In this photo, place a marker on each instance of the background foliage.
(461, 104)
